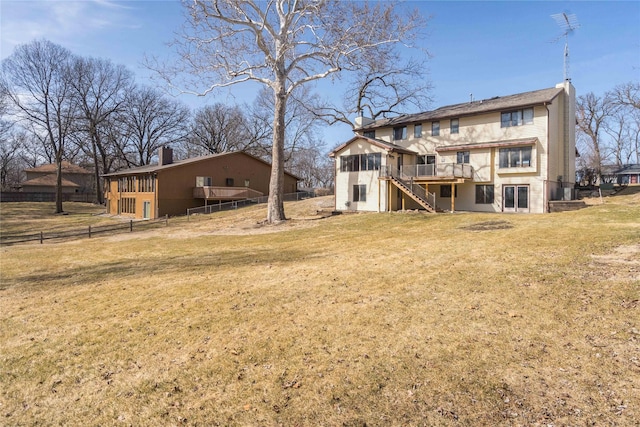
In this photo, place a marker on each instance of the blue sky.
(484, 48)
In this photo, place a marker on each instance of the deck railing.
(442, 170)
(225, 193)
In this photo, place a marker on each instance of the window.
(229, 182)
(435, 128)
(484, 194)
(247, 182)
(146, 184)
(399, 133)
(427, 159)
(455, 125)
(417, 131)
(127, 205)
(515, 157)
(203, 181)
(360, 162)
(445, 191)
(369, 134)
(462, 157)
(127, 184)
(516, 118)
(360, 193)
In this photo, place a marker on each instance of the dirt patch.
(623, 263)
(489, 225)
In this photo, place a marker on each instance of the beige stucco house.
(505, 154)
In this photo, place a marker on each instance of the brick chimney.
(165, 156)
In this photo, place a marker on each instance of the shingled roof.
(498, 103)
(66, 168)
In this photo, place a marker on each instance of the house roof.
(48, 181)
(493, 144)
(390, 147)
(66, 168)
(628, 169)
(498, 103)
(182, 163)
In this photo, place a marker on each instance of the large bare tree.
(218, 128)
(284, 44)
(101, 88)
(148, 121)
(37, 81)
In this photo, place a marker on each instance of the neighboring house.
(626, 174)
(505, 154)
(170, 188)
(42, 179)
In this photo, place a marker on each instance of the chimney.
(165, 156)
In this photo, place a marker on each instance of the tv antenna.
(568, 22)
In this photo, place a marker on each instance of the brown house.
(170, 188)
(42, 179)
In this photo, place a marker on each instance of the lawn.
(362, 319)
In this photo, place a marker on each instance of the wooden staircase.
(421, 199)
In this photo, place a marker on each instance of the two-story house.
(505, 154)
(173, 186)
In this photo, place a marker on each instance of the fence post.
(41, 237)
(131, 226)
(166, 220)
(89, 231)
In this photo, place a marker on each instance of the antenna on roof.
(568, 22)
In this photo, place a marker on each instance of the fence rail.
(219, 207)
(20, 196)
(88, 232)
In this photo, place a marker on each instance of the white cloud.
(69, 23)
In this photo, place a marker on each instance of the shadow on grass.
(160, 265)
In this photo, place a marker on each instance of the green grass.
(376, 319)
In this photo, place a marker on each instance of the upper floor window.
(462, 157)
(455, 125)
(203, 181)
(516, 118)
(229, 182)
(435, 128)
(417, 131)
(360, 162)
(427, 159)
(146, 184)
(127, 184)
(515, 157)
(369, 134)
(399, 132)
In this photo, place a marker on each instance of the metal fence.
(219, 207)
(88, 232)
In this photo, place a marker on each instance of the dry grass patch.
(376, 319)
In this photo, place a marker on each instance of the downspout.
(545, 182)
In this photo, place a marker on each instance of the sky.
(477, 49)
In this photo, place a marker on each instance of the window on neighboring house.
(435, 128)
(515, 157)
(417, 131)
(462, 157)
(484, 194)
(455, 125)
(445, 191)
(360, 162)
(127, 184)
(516, 118)
(359, 193)
(229, 182)
(399, 133)
(369, 134)
(127, 205)
(146, 184)
(203, 181)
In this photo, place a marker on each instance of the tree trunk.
(94, 148)
(59, 184)
(275, 207)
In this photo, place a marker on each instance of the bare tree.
(148, 121)
(592, 113)
(37, 80)
(284, 44)
(218, 128)
(101, 88)
(626, 98)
